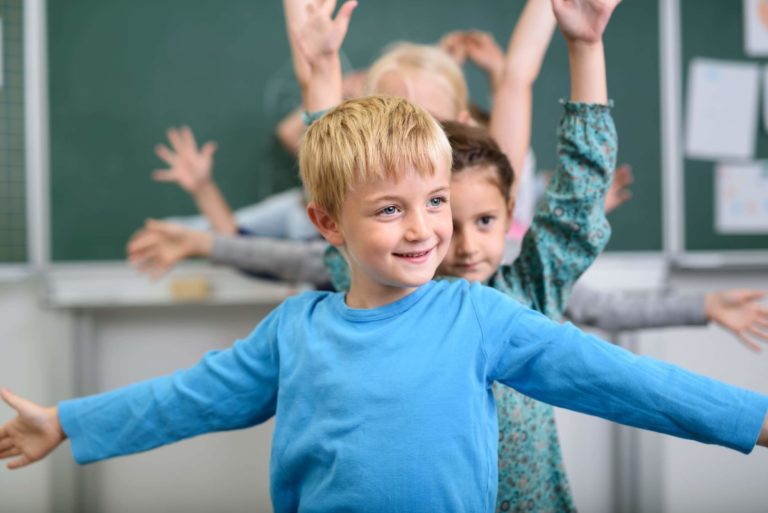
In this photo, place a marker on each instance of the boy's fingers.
(11, 399)
(9, 453)
(18, 463)
(758, 332)
(209, 148)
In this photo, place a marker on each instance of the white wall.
(34, 361)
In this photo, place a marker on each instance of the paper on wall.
(741, 198)
(721, 114)
(756, 27)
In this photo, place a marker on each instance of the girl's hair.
(405, 57)
(472, 146)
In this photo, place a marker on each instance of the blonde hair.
(402, 58)
(367, 139)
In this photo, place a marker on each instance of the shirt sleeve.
(617, 311)
(569, 228)
(286, 260)
(563, 366)
(229, 389)
(338, 269)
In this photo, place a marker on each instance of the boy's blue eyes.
(391, 210)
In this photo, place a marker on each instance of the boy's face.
(395, 233)
(481, 219)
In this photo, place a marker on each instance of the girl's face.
(481, 219)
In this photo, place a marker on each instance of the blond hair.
(404, 58)
(367, 139)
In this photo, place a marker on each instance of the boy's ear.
(325, 224)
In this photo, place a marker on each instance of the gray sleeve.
(287, 260)
(618, 311)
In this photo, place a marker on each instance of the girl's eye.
(436, 201)
(485, 221)
(388, 211)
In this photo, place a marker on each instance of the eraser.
(190, 289)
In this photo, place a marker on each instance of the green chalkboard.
(713, 29)
(13, 225)
(121, 71)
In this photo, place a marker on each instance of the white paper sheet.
(722, 111)
(756, 27)
(741, 198)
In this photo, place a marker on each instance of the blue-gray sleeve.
(229, 389)
(563, 366)
(286, 260)
(617, 311)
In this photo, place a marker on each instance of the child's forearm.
(325, 84)
(588, 78)
(529, 42)
(213, 206)
(513, 99)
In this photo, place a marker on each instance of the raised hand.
(190, 167)
(619, 192)
(583, 20)
(157, 247)
(321, 35)
(740, 312)
(32, 434)
(454, 44)
(486, 54)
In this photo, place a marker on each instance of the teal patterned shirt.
(568, 232)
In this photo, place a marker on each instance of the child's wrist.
(202, 244)
(54, 413)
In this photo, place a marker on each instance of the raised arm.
(315, 43)
(191, 168)
(569, 228)
(513, 100)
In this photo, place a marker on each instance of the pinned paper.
(722, 112)
(756, 27)
(741, 198)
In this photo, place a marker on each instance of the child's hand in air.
(189, 167)
(583, 20)
(740, 312)
(32, 434)
(454, 44)
(486, 54)
(619, 192)
(157, 247)
(321, 36)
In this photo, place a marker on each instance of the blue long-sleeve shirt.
(391, 408)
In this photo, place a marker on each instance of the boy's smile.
(395, 233)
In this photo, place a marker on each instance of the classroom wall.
(34, 361)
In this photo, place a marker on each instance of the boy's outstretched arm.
(512, 109)
(191, 168)
(32, 434)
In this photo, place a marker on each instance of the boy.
(382, 397)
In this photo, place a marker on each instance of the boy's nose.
(418, 227)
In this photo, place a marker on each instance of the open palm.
(583, 20)
(189, 167)
(31, 435)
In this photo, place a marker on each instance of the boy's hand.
(32, 434)
(483, 50)
(583, 20)
(320, 38)
(740, 312)
(619, 192)
(189, 167)
(157, 247)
